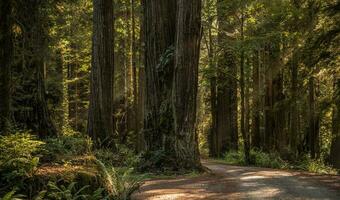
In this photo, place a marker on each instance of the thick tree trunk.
(335, 146)
(100, 120)
(6, 46)
(256, 135)
(227, 127)
(160, 29)
(184, 93)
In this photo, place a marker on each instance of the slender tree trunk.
(134, 71)
(160, 29)
(141, 87)
(213, 94)
(256, 135)
(242, 87)
(100, 121)
(6, 46)
(184, 93)
(227, 127)
(335, 146)
(294, 111)
(313, 128)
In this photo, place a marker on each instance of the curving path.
(234, 182)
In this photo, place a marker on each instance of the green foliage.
(120, 184)
(153, 160)
(123, 157)
(257, 158)
(12, 196)
(71, 192)
(315, 166)
(66, 146)
(261, 159)
(272, 160)
(18, 156)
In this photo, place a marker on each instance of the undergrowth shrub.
(257, 158)
(123, 157)
(18, 157)
(154, 161)
(66, 146)
(120, 184)
(315, 166)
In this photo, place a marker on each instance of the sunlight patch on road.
(253, 177)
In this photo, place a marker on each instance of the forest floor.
(235, 182)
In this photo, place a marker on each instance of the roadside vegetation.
(273, 160)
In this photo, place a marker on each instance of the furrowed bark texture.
(159, 26)
(100, 121)
(184, 94)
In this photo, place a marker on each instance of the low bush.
(257, 158)
(120, 184)
(62, 147)
(19, 157)
(123, 157)
(315, 166)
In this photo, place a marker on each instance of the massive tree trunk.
(160, 27)
(184, 93)
(6, 46)
(256, 135)
(100, 121)
(227, 129)
(335, 146)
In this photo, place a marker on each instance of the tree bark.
(160, 29)
(227, 126)
(185, 87)
(294, 111)
(256, 135)
(335, 146)
(313, 127)
(242, 87)
(100, 120)
(6, 46)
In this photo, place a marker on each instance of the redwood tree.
(100, 119)
(184, 97)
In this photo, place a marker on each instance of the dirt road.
(234, 182)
